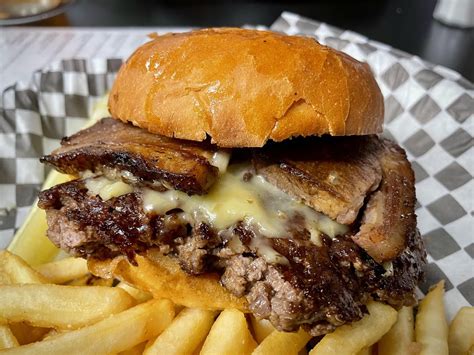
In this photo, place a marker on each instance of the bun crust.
(244, 87)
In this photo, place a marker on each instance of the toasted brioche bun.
(244, 87)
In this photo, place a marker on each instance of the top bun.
(244, 87)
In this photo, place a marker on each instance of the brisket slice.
(115, 148)
(333, 175)
(336, 175)
(320, 288)
(389, 214)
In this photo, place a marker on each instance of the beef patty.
(320, 287)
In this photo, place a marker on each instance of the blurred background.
(404, 24)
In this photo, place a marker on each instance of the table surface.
(404, 24)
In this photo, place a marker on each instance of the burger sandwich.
(247, 167)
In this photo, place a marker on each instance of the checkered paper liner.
(428, 110)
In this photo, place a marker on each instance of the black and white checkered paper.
(429, 110)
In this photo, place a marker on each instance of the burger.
(246, 166)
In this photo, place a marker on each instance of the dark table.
(404, 24)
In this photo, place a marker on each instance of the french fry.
(352, 338)
(97, 281)
(14, 270)
(91, 280)
(461, 332)
(261, 328)
(185, 333)
(26, 333)
(136, 350)
(197, 351)
(81, 281)
(366, 351)
(178, 308)
(64, 270)
(7, 339)
(283, 343)
(139, 295)
(229, 335)
(114, 334)
(53, 332)
(431, 327)
(399, 339)
(63, 307)
(163, 278)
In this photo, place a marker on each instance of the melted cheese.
(262, 207)
(220, 159)
(106, 188)
(229, 201)
(258, 204)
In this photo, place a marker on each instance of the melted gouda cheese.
(261, 206)
(220, 159)
(107, 189)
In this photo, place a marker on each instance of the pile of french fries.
(60, 308)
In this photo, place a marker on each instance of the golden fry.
(53, 332)
(14, 270)
(82, 281)
(26, 333)
(63, 307)
(184, 334)
(97, 281)
(399, 339)
(91, 280)
(7, 339)
(136, 350)
(352, 338)
(261, 328)
(431, 327)
(229, 335)
(366, 351)
(283, 343)
(114, 334)
(63, 270)
(461, 332)
(139, 295)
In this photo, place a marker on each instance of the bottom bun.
(163, 278)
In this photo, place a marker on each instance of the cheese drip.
(262, 207)
(106, 188)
